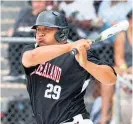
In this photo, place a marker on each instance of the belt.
(79, 116)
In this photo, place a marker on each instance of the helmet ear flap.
(62, 34)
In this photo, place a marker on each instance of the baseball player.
(56, 80)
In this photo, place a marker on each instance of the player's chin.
(41, 44)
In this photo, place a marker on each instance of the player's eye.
(37, 29)
(47, 29)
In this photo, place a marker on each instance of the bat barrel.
(121, 26)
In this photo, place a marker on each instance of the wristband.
(123, 66)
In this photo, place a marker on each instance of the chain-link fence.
(18, 111)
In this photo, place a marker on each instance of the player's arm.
(42, 54)
(103, 73)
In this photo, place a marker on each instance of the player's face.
(45, 35)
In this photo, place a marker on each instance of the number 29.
(52, 92)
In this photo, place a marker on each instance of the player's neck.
(61, 43)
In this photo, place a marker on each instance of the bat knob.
(74, 51)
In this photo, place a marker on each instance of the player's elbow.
(112, 77)
(28, 59)
(110, 80)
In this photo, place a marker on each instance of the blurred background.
(87, 18)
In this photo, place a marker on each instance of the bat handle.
(74, 51)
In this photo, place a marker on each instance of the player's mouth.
(41, 42)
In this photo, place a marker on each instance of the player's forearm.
(44, 53)
(102, 73)
(107, 95)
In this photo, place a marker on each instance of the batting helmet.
(56, 20)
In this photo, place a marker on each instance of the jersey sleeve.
(95, 59)
(27, 48)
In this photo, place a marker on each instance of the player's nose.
(41, 34)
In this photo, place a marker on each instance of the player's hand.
(81, 57)
(82, 43)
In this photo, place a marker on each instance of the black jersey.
(57, 87)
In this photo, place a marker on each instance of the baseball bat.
(113, 30)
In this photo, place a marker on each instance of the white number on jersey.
(52, 91)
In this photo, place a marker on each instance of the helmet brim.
(33, 27)
(47, 25)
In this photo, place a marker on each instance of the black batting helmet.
(56, 20)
